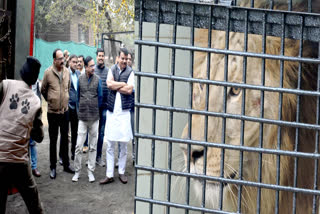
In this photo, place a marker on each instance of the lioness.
(272, 136)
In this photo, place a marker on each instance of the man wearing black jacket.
(102, 72)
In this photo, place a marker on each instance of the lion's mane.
(267, 136)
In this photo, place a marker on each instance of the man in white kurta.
(118, 125)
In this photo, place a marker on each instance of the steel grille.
(169, 88)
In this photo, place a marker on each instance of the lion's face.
(229, 131)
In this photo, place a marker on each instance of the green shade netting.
(43, 51)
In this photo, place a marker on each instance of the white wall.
(181, 99)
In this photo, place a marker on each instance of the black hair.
(132, 55)
(99, 50)
(73, 56)
(81, 56)
(87, 60)
(124, 50)
(55, 52)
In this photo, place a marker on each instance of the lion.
(255, 134)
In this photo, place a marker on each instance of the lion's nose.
(196, 154)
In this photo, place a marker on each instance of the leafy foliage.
(98, 15)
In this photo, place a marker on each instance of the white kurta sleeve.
(131, 79)
(110, 75)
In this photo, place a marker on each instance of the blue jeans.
(33, 153)
(102, 125)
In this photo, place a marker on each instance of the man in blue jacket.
(73, 97)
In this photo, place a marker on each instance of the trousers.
(33, 153)
(74, 129)
(110, 157)
(102, 125)
(56, 121)
(92, 128)
(19, 175)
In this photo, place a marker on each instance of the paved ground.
(64, 196)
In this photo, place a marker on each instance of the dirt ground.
(64, 196)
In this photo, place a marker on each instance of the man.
(101, 71)
(20, 116)
(130, 64)
(55, 90)
(120, 82)
(32, 144)
(73, 118)
(130, 59)
(89, 100)
(80, 65)
(66, 58)
(73, 98)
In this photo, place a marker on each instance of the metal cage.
(241, 80)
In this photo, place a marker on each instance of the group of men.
(96, 102)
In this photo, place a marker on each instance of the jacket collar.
(118, 68)
(55, 70)
(25, 85)
(76, 71)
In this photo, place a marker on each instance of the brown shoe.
(106, 180)
(123, 178)
(36, 172)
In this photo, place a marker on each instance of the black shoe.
(53, 174)
(69, 169)
(60, 161)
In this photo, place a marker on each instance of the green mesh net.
(43, 51)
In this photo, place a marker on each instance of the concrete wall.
(22, 38)
(74, 30)
(181, 99)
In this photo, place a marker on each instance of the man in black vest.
(101, 71)
(130, 63)
(89, 101)
(120, 82)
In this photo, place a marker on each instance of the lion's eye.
(235, 91)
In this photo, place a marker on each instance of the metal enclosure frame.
(214, 16)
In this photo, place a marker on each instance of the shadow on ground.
(64, 196)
